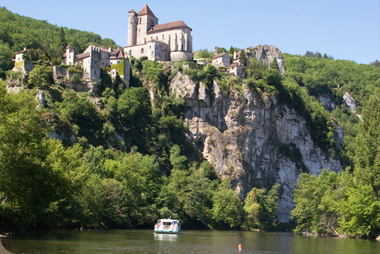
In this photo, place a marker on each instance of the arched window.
(130, 52)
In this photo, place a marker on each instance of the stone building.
(222, 59)
(21, 64)
(159, 42)
(94, 58)
(237, 69)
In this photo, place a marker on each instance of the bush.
(75, 78)
(41, 76)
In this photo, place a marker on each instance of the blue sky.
(343, 29)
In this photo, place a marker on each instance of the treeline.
(347, 203)
(317, 55)
(46, 41)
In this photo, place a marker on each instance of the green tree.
(227, 211)
(261, 208)
(367, 158)
(41, 76)
(80, 112)
(27, 183)
(274, 64)
(6, 56)
(316, 203)
(62, 38)
(359, 212)
(208, 74)
(135, 116)
(242, 58)
(177, 160)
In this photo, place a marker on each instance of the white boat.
(169, 226)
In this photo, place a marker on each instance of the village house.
(21, 64)
(237, 69)
(158, 42)
(94, 58)
(222, 59)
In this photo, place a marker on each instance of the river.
(209, 242)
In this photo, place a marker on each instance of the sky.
(343, 29)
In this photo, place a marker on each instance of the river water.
(209, 242)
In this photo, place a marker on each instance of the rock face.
(251, 139)
(351, 103)
(267, 54)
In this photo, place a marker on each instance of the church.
(159, 42)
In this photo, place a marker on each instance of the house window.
(130, 52)
(142, 50)
(118, 62)
(163, 36)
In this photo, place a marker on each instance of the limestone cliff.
(250, 138)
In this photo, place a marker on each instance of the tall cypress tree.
(367, 159)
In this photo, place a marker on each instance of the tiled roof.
(167, 26)
(132, 11)
(117, 53)
(220, 55)
(146, 11)
(82, 56)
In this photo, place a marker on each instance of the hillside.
(195, 143)
(17, 32)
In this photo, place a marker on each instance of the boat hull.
(167, 226)
(166, 232)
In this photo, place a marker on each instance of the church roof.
(167, 26)
(146, 11)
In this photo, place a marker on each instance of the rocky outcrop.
(328, 103)
(40, 97)
(267, 54)
(351, 103)
(251, 139)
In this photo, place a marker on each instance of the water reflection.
(166, 237)
(189, 242)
